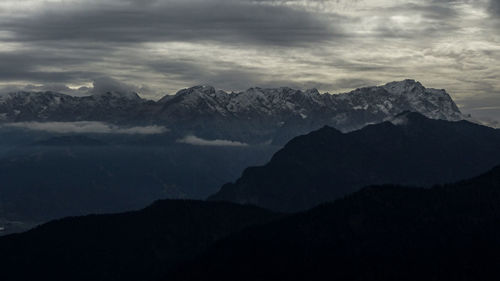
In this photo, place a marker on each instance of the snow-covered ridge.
(259, 112)
(390, 99)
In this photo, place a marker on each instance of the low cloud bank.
(194, 140)
(88, 127)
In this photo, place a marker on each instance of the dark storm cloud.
(31, 65)
(80, 35)
(495, 7)
(78, 42)
(161, 21)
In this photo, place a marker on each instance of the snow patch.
(400, 121)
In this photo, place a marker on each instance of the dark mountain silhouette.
(139, 245)
(327, 164)
(447, 232)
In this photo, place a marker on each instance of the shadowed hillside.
(327, 164)
(448, 232)
(140, 245)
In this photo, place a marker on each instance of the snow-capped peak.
(404, 87)
(312, 92)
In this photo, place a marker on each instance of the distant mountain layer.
(447, 232)
(328, 164)
(380, 233)
(78, 174)
(255, 115)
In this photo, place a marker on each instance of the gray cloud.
(354, 83)
(487, 121)
(416, 20)
(193, 140)
(80, 42)
(106, 84)
(86, 127)
(485, 108)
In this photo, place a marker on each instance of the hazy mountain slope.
(138, 245)
(327, 164)
(77, 175)
(379, 233)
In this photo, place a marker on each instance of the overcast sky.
(159, 47)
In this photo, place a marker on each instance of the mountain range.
(327, 164)
(408, 197)
(252, 116)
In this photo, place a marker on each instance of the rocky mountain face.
(328, 164)
(254, 115)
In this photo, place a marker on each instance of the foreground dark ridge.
(385, 233)
(379, 233)
(327, 164)
(140, 245)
